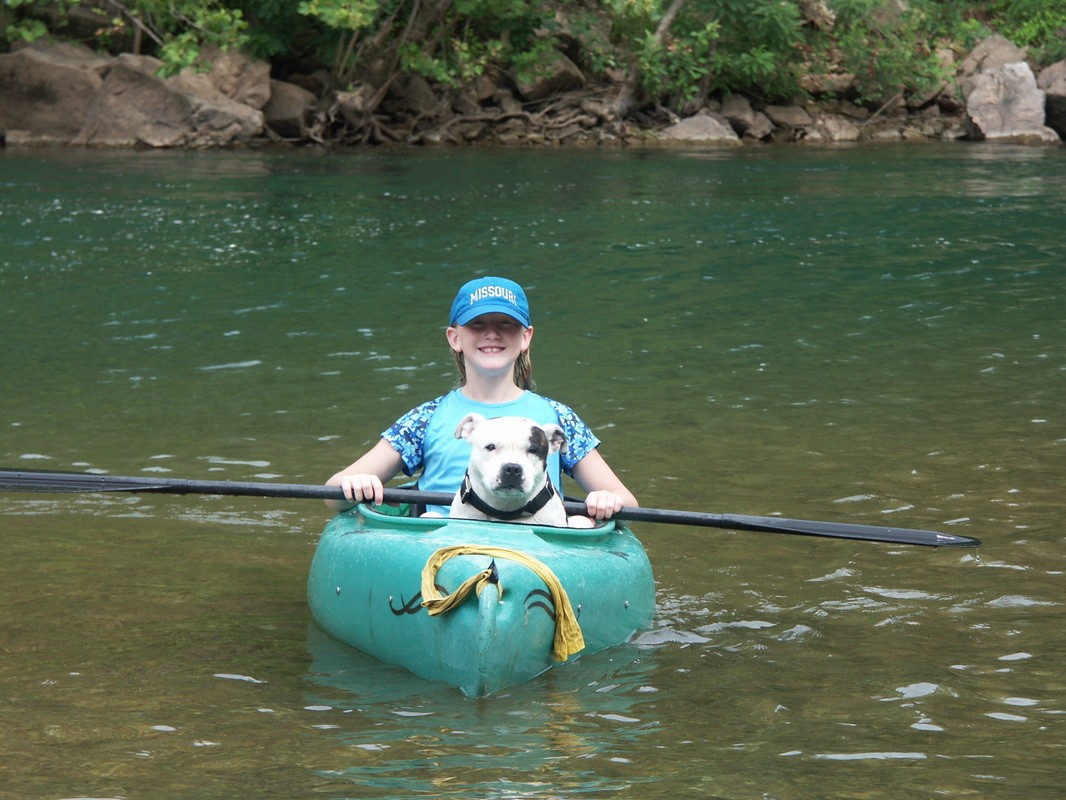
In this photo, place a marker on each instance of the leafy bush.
(886, 46)
(1037, 24)
(674, 50)
(176, 29)
(759, 47)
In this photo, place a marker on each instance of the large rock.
(136, 107)
(215, 118)
(828, 83)
(702, 128)
(1004, 104)
(793, 117)
(561, 75)
(46, 92)
(238, 77)
(746, 121)
(413, 95)
(1052, 80)
(818, 13)
(68, 94)
(832, 128)
(288, 109)
(989, 54)
(737, 109)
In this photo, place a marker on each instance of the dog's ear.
(466, 426)
(556, 438)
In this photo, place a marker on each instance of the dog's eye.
(490, 447)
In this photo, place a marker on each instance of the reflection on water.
(571, 731)
(860, 334)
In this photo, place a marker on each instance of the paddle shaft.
(45, 481)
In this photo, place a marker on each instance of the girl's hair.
(523, 370)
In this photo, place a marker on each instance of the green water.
(873, 335)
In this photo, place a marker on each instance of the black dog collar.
(469, 496)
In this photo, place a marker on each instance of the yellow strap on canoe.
(568, 638)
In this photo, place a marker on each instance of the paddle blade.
(39, 480)
(832, 530)
(47, 481)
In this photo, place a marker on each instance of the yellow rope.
(568, 638)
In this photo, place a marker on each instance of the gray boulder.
(1052, 81)
(746, 121)
(238, 77)
(1004, 104)
(133, 107)
(67, 94)
(288, 109)
(989, 54)
(215, 118)
(561, 75)
(704, 128)
(832, 128)
(794, 117)
(46, 91)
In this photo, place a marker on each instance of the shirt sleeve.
(580, 440)
(408, 435)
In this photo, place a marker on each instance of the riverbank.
(67, 94)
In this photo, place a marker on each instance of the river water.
(871, 334)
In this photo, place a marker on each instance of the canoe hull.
(364, 588)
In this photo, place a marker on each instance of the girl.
(489, 333)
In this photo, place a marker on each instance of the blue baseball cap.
(490, 296)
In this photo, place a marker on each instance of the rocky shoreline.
(68, 95)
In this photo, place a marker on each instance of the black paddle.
(46, 481)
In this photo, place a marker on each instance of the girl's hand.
(363, 487)
(603, 504)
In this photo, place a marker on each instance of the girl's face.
(491, 342)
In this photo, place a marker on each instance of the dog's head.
(509, 455)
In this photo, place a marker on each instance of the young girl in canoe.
(489, 333)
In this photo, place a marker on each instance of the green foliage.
(678, 67)
(27, 30)
(275, 28)
(598, 53)
(885, 45)
(345, 15)
(534, 61)
(712, 45)
(461, 63)
(23, 20)
(1037, 24)
(955, 24)
(179, 28)
(761, 47)
(522, 34)
(185, 26)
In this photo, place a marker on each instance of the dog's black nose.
(511, 475)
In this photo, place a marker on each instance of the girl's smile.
(491, 335)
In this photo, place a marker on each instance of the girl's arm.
(364, 480)
(606, 492)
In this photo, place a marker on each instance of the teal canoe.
(365, 588)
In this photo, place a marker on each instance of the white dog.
(507, 477)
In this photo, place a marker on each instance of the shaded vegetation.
(663, 52)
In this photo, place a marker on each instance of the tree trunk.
(627, 96)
